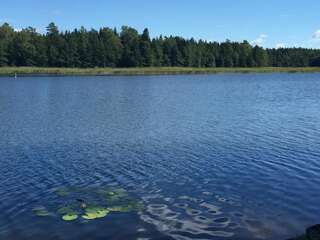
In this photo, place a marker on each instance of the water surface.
(227, 156)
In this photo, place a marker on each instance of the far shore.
(33, 71)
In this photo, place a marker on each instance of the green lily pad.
(70, 217)
(95, 212)
(65, 210)
(89, 216)
(95, 209)
(38, 208)
(90, 203)
(41, 212)
(113, 195)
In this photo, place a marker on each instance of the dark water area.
(227, 156)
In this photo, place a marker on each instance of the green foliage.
(145, 49)
(11, 71)
(260, 57)
(3, 55)
(95, 212)
(82, 48)
(131, 55)
(6, 40)
(70, 217)
(90, 203)
(111, 47)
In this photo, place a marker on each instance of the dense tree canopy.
(108, 48)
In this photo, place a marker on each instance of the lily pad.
(41, 212)
(65, 210)
(96, 209)
(70, 217)
(95, 212)
(113, 195)
(89, 216)
(94, 215)
(90, 203)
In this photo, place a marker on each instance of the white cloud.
(39, 30)
(260, 40)
(316, 35)
(280, 45)
(18, 29)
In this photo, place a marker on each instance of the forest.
(107, 47)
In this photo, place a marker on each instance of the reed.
(11, 71)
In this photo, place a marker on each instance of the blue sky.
(269, 23)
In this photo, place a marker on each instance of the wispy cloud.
(316, 35)
(314, 41)
(280, 45)
(40, 30)
(260, 40)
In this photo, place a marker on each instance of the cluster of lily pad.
(91, 203)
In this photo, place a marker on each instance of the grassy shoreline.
(11, 71)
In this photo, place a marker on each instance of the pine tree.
(55, 46)
(145, 49)
(260, 56)
(6, 39)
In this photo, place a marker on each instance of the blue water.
(227, 156)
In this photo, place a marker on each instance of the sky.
(268, 23)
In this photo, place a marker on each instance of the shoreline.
(43, 71)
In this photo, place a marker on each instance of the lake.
(226, 156)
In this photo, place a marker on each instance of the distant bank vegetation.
(108, 48)
(20, 71)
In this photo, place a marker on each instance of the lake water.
(227, 156)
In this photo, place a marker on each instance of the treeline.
(128, 48)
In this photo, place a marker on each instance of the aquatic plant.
(70, 217)
(65, 210)
(95, 212)
(41, 211)
(91, 203)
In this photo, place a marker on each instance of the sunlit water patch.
(203, 215)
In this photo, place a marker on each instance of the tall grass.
(11, 71)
